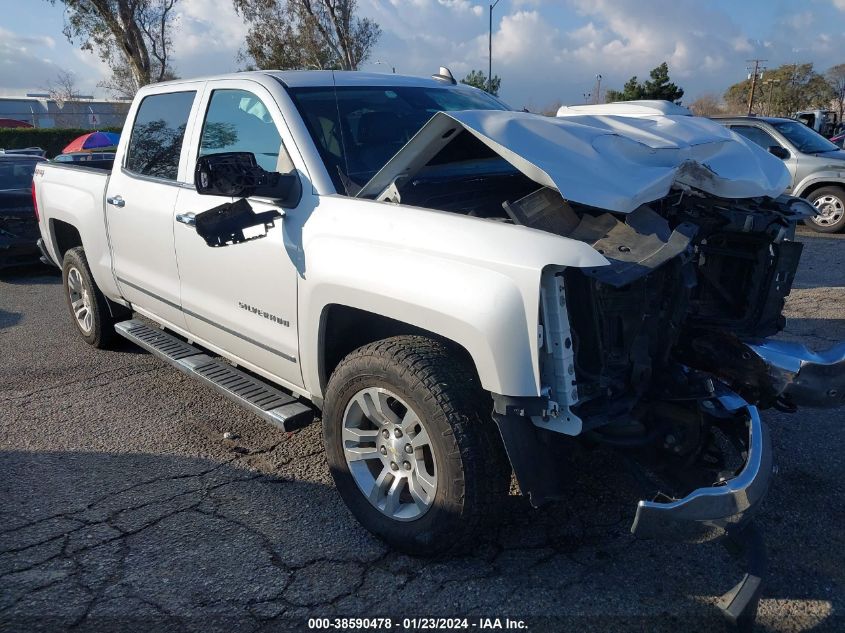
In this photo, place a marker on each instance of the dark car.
(18, 225)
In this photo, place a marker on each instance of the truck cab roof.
(329, 78)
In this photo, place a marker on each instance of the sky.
(545, 51)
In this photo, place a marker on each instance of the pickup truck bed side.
(75, 197)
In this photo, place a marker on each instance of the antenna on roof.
(445, 75)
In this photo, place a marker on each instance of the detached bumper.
(707, 513)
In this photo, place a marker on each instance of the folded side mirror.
(238, 175)
(780, 152)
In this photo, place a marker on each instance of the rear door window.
(755, 134)
(157, 132)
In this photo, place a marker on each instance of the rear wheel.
(830, 202)
(411, 444)
(90, 310)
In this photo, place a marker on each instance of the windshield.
(803, 138)
(357, 133)
(16, 174)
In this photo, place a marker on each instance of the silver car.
(817, 165)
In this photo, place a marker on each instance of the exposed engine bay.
(662, 353)
(650, 353)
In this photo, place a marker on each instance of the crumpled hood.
(610, 162)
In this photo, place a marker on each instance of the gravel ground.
(124, 508)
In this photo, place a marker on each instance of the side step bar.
(271, 404)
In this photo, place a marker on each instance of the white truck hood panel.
(610, 162)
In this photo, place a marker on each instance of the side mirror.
(780, 152)
(238, 175)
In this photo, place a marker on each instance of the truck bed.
(74, 195)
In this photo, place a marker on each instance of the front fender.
(492, 315)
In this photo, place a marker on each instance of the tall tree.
(478, 79)
(836, 78)
(657, 86)
(134, 37)
(317, 34)
(783, 91)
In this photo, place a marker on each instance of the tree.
(319, 34)
(478, 79)
(133, 37)
(707, 105)
(658, 86)
(62, 88)
(783, 91)
(836, 78)
(631, 91)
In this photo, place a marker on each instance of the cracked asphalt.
(123, 508)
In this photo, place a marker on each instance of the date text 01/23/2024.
(421, 624)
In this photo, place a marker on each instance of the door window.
(157, 133)
(755, 134)
(238, 121)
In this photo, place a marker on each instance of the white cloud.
(23, 66)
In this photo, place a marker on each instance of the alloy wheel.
(389, 454)
(80, 300)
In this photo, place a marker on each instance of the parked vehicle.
(105, 158)
(825, 122)
(458, 288)
(18, 224)
(816, 165)
(28, 151)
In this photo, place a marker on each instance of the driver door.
(241, 299)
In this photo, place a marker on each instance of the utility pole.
(757, 70)
(587, 96)
(490, 50)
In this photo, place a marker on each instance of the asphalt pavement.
(123, 507)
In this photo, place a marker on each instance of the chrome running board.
(272, 404)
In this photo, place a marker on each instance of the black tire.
(837, 195)
(102, 311)
(473, 472)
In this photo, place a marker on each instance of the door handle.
(187, 218)
(116, 201)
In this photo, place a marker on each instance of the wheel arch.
(65, 236)
(806, 189)
(343, 329)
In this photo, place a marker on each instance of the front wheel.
(411, 444)
(830, 202)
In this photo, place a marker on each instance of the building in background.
(41, 111)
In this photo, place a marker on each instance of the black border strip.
(205, 320)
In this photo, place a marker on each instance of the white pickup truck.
(458, 288)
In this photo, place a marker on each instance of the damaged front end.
(662, 353)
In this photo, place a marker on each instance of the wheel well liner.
(344, 329)
(66, 237)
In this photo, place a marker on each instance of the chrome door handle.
(116, 201)
(187, 218)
